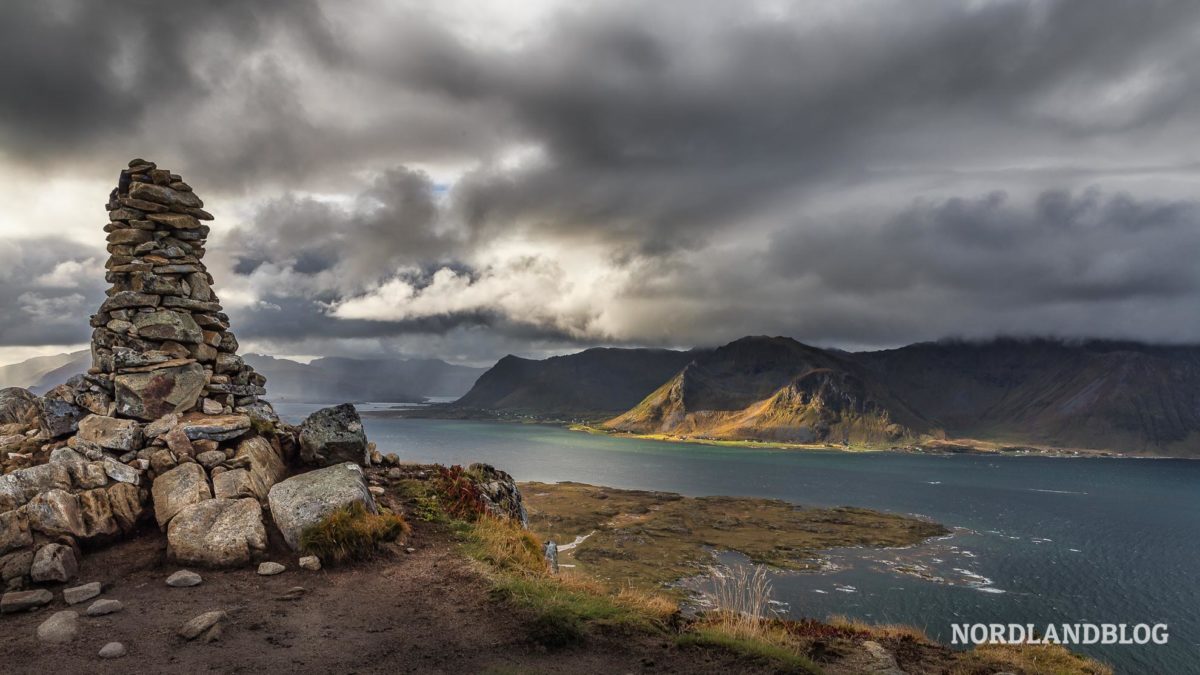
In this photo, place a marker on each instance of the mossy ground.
(653, 538)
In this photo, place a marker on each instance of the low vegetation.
(352, 533)
(653, 538)
(573, 607)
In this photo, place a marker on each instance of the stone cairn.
(167, 427)
(161, 343)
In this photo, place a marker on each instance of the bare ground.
(429, 612)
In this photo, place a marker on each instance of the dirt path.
(428, 612)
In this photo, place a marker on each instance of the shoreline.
(949, 447)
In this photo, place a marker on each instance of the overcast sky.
(432, 178)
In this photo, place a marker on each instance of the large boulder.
(264, 464)
(150, 395)
(55, 513)
(334, 435)
(217, 533)
(303, 501)
(18, 406)
(177, 489)
(60, 417)
(111, 433)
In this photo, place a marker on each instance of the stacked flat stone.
(161, 343)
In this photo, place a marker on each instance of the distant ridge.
(1075, 394)
(595, 382)
(322, 380)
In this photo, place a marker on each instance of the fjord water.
(1038, 540)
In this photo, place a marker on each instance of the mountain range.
(1101, 395)
(321, 380)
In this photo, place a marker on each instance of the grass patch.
(755, 648)
(351, 533)
(1031, 660)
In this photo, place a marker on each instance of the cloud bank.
(532, 178)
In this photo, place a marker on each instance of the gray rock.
(214, 427)
(14, 531)
(270, 569)
(334, 435)
(56, 512)
(167, 325)
(311, 563)
(178, 489)
(22, 485)
(60, 628)
(160, 426)
(54, 562)
(78, 594)
(217, 533)
(18, 406)
(302, 501)
(104, 606)
(201, 624)
(111, 433)
(14, 569)
(184, 579)
(122, 473)
(265, 465)
(293, 593)
(60, 418)
(232, 484)
(210, 458)
(112, 650)
(23, 601)
(211, 407)
(148, 396)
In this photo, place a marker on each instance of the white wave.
(1057, 492)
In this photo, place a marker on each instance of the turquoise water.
(1038, 540)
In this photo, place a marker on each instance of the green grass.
(562, 616)
(749, 647)
(351, 533)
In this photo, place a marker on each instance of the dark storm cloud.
(48, 288)
(866, 172)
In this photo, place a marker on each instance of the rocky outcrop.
(499, 492)
(302, 501)
(18, 407)
(334, 435)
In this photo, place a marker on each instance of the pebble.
(410, 550)
(311, 563)
(183, 579)
(60, 628)
(104, 606)
(201, 624)
(293, 593)
(377, 491)
(112, 650)
(270, 569)
(83, 593)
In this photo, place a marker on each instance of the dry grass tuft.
(741, 599)
(508, 546)
(352, 533)
(880, 631)
(1031, 660)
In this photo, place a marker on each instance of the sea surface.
(1037, 540)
